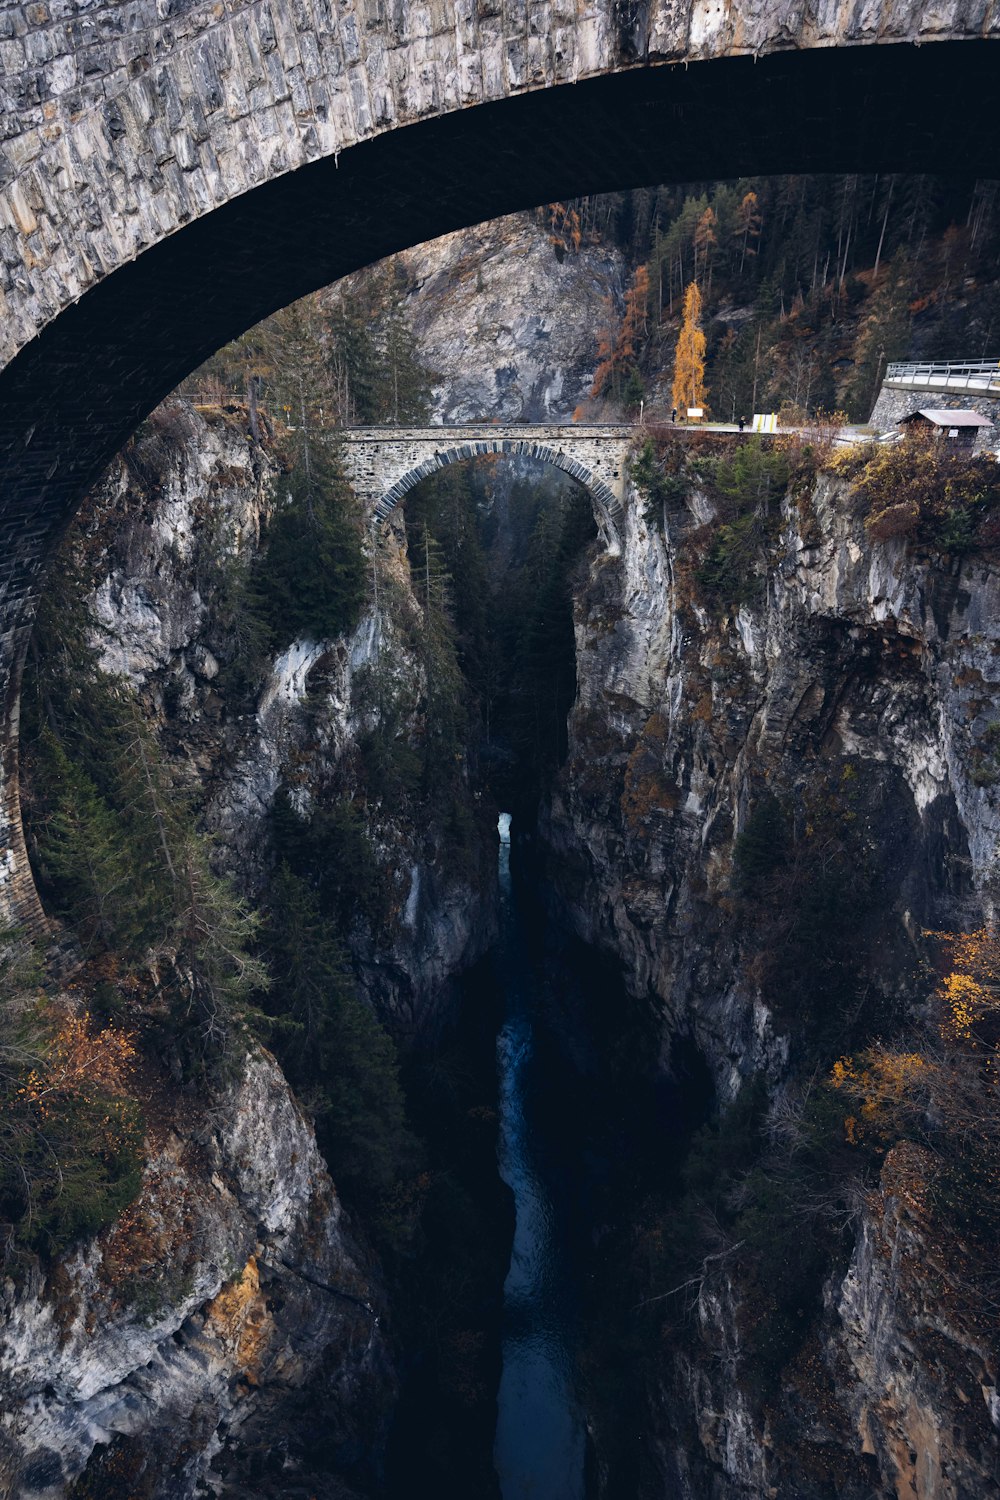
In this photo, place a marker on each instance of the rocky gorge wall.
(233, 1296)
(186, 1339)
(862, 657)
(233, 1300)
(507, 316)
(159, 560)
(864, 664)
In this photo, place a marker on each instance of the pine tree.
(405, 382)
(689, 389)
(446, 716)
(91, 868)
(335, 1052)
(312, 578)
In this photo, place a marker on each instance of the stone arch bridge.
(383, 463)
(171, 171)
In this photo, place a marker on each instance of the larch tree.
(705, 240)
(689, 389)
(748, 223)
(617, 352)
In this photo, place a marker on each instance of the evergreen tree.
(337, 1056)
(89, 866)
(117, 852)
(312, 576)
(405, 382)
(355, 364)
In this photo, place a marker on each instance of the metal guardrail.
(949, 375)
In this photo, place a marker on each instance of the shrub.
(927, 492)
(749, 485)
(70, 1139)
(332, 851)
(661, 487)
(761, 847)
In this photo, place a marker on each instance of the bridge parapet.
(977, 376)
(383, 463)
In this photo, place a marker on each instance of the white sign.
(694, 412)
(765, 421)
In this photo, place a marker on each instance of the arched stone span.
(383, 464)
(169, 174)
(127, 119)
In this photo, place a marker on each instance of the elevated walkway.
(977, 377)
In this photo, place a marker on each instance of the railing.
(948, 375)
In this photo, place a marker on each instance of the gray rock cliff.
(229, 1288)
(863, 655)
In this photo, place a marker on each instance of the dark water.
(540, 1437)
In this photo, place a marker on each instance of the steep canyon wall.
(859, 686)
(234, 1299)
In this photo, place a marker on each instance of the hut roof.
(944, 418)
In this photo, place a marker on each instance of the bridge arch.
(170, 175)
(608, 511)
(383, 464)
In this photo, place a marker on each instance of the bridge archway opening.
(608, 511)
(83, 383)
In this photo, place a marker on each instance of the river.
(540, 1437)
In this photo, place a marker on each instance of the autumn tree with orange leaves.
(618, 348)
(946, 1093)
(689, 388)
(565, 232)
(70, 1133)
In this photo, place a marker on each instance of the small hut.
(961, 428)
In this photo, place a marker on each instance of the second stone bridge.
(382, 463)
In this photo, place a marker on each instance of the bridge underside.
(76, 392)
(73, 396)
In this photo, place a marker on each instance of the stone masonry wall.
(383, 463)
(895, 402)
(125, 121)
